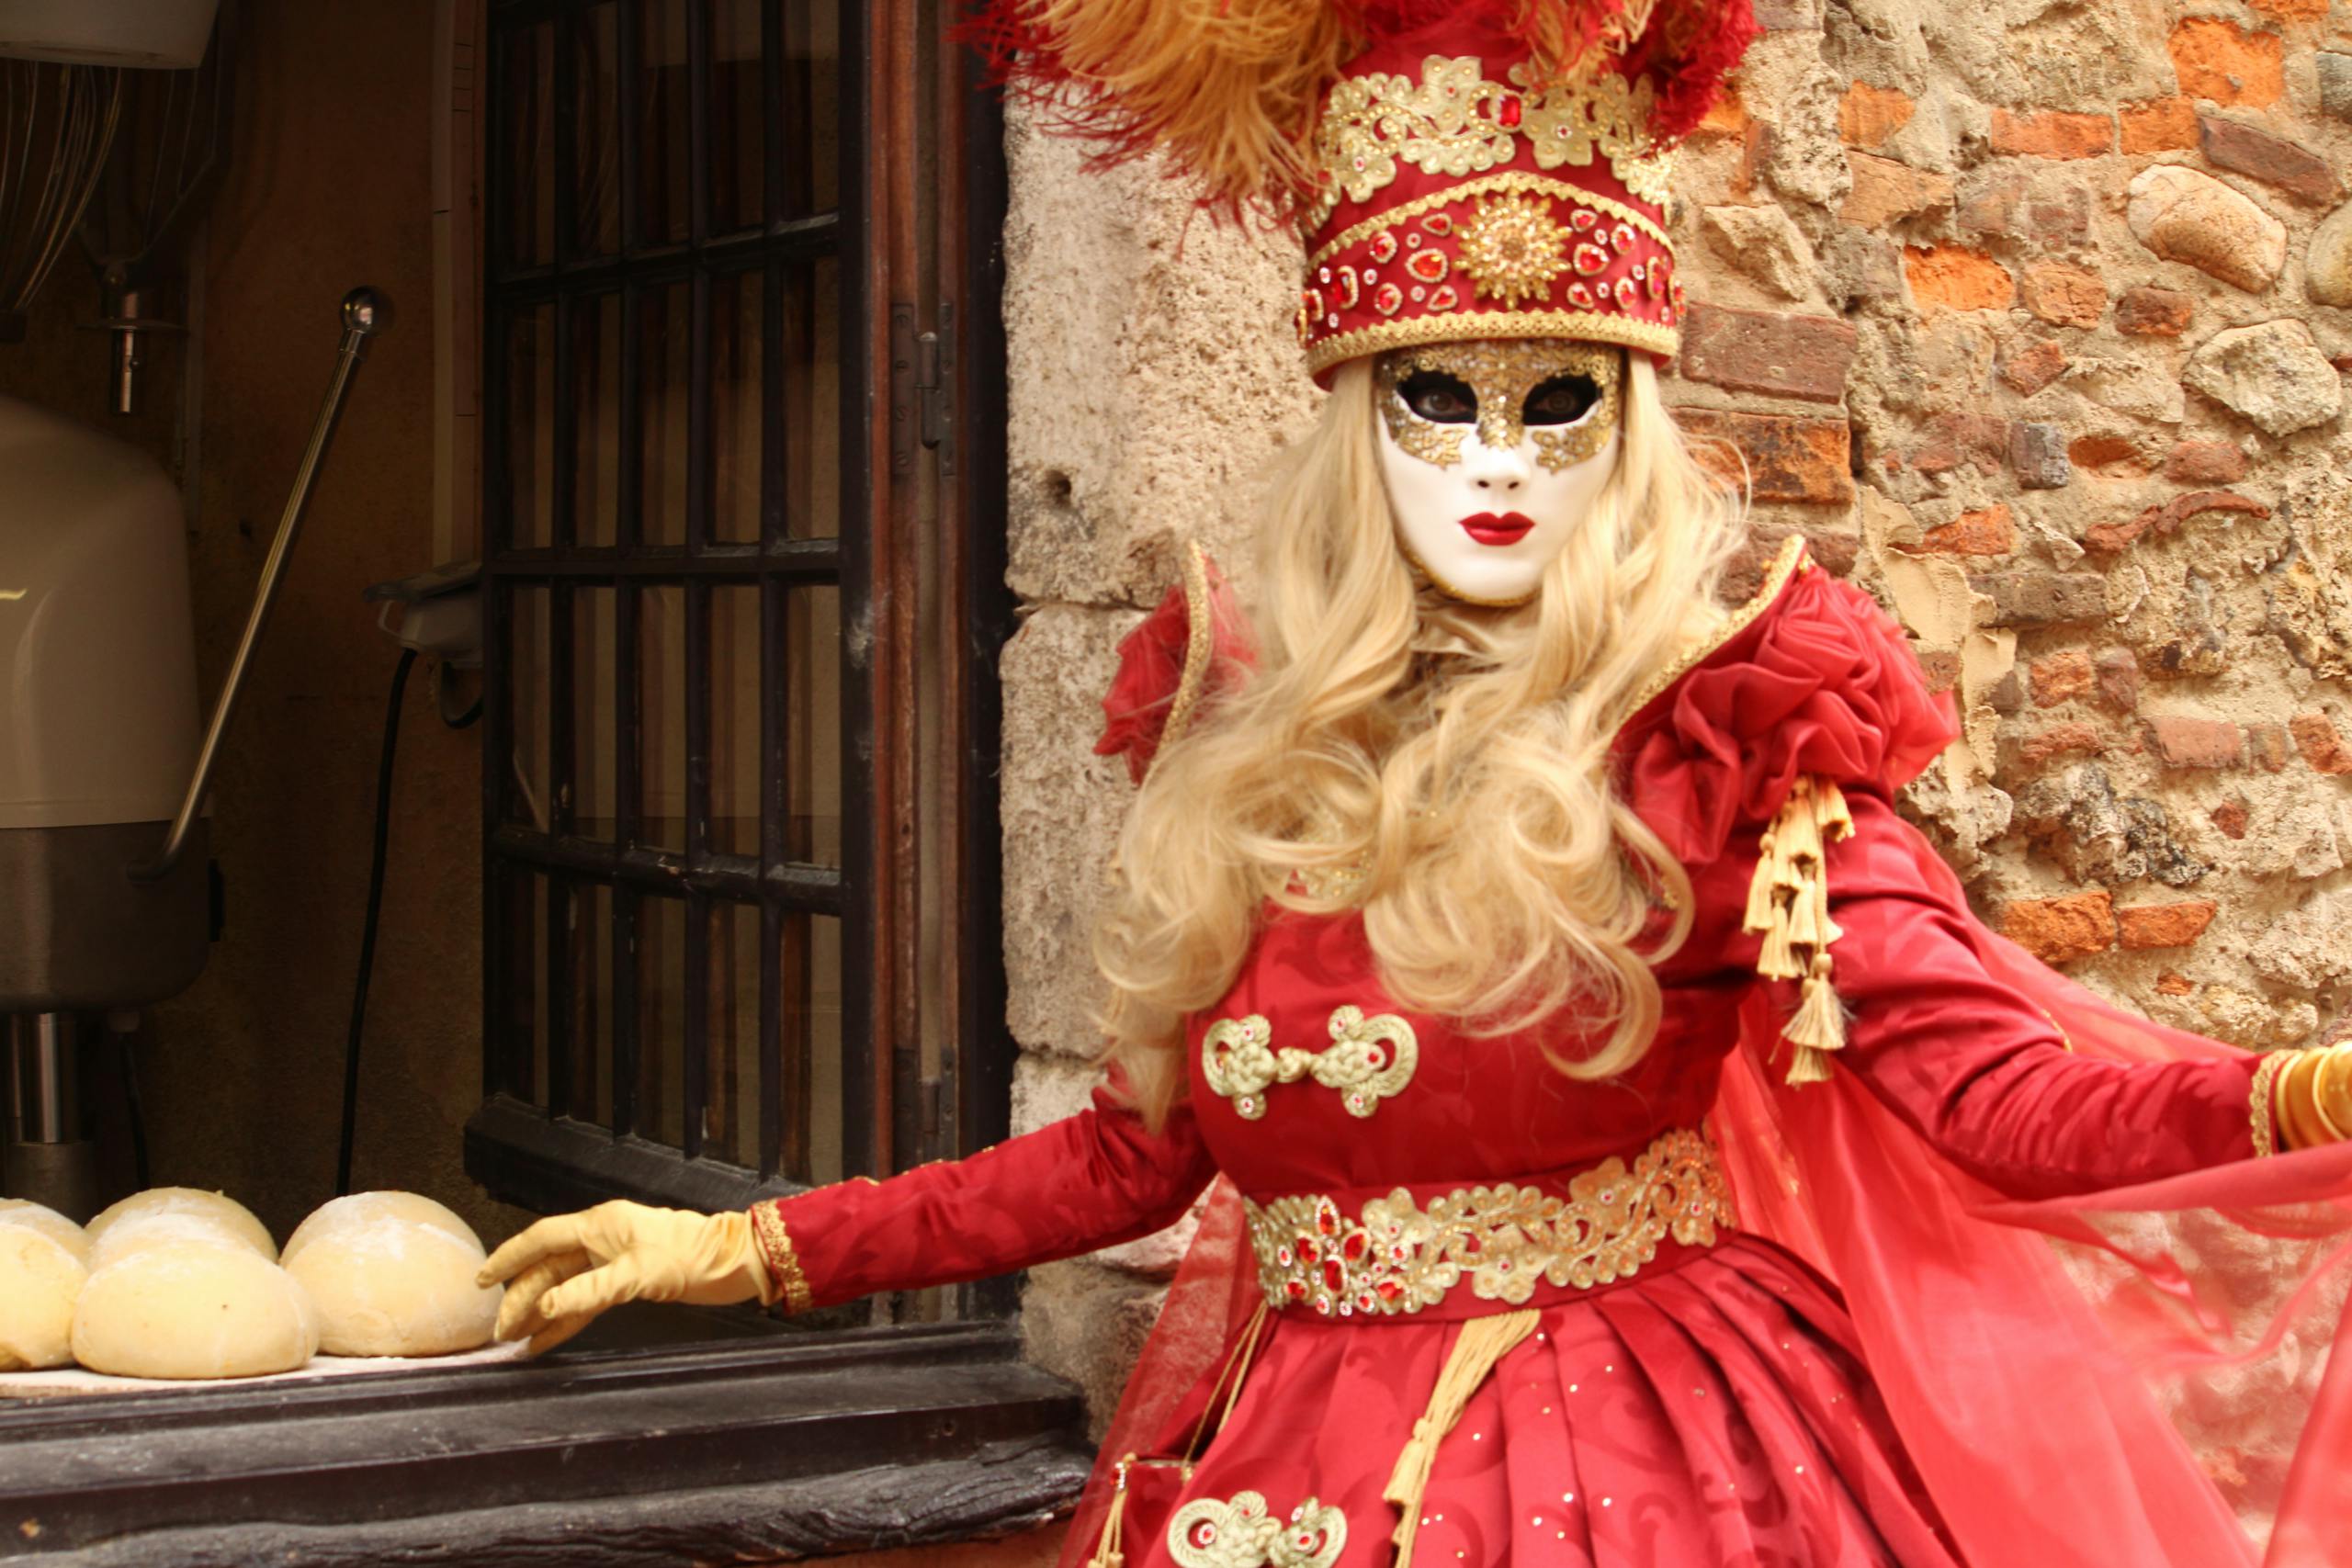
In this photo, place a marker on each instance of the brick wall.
(2038, 331)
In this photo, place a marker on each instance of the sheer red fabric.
(2100, 1374)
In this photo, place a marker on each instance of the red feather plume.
(1230, 89)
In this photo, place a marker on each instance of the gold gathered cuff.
(2263, 1101)
(775, 1243)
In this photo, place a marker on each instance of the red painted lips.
(1488, 528)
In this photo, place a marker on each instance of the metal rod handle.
(48, 1109)
(365, 313)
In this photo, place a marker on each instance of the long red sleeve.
(1093, 1181)
(1980, 1070)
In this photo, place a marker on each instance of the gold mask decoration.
(1500, 375)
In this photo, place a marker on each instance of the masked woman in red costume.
(1633, 1151)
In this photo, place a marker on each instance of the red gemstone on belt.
(1508, 115)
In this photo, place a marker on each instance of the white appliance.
(139, 33)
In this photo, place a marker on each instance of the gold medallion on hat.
(1511, 249)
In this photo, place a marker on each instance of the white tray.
(65, 1380)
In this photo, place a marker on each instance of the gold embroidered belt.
(1405, 1253)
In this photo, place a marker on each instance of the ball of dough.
(39, 1282)
(368, 1208)
(192, 1208)
(390, 1283)
(50, 1223)
(193, 1309)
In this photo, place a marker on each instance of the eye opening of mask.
(1566, 399)
(1440, 398)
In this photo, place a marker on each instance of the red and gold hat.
(1492, 169)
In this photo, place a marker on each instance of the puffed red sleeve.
(1820, 687)
(1088, 1181)
(1977, 1068)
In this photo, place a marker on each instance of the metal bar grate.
(622, 989)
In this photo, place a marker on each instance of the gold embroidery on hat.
(1455, 122)
(1600, 112)
(1381, 228)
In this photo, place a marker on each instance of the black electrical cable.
(128, 1041)
(459, 718)
(367, 927)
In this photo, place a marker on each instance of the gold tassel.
(1820, 1021)
(1830, 816)
(1483, 1342)
(1109, 1549)
(1806, 911)
(1761, 888)
(1788, 905)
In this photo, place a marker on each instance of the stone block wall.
(2033, 318)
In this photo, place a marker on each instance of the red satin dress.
(1708, 1407)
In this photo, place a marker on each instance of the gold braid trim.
(1200, 646)
(1583, 326)
(2265, 1078)
(1784, 565)
(1788, 904)
(776, 1247)
(1482, 1342)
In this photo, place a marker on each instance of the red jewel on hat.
(1384, 246)
(1508, 117)
(1444, 299)
(1589, 258)
(1625, 294)
(1389, 299)
(1439, 223)
(1581, 297)
(1428, 265)
(1583, 218)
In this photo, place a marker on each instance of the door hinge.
(937, 1110)
(935, 387)
(923, 389)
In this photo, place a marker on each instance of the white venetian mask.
(1493, 452)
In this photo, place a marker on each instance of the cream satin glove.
(567, 1269)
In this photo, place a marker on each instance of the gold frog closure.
(1370, 1060)
(1241, 1534)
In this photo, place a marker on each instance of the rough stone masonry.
(2033, 318)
